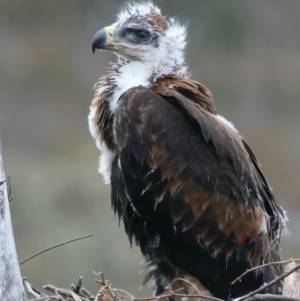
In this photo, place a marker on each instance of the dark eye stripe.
(137, 35)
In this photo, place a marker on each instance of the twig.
(8, 186)
(269, 297)
(88, 294)
(106, 285)
(56, 290)
(9, 189)
(124, 292)
(33, 292)
(3, 181)
(55, 246)
(37, 294)
(48, 298)
(262, 288)
(264, 265)
(65, 293)
(197, 296)
(172, 294)
(77, 287)
(81, 291)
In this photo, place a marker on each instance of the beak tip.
(99, 40)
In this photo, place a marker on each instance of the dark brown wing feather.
(185, 171)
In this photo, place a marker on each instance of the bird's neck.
(128, 74)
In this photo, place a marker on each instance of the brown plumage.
(209, 214)
(185, 183)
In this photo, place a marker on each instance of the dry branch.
(262, 288)
(56, 246)
(264, 265)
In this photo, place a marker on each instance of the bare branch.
(81, 291)
(65, 293)
(56, 246)
(50, 298)
(262, 288)
(264, 265)
(34, 292)
(268, 297)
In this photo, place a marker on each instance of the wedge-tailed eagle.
(186, 185)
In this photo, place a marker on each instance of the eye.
(142, 35)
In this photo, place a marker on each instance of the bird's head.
(142, 33)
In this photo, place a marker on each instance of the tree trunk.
(11, 287)
(291, 285)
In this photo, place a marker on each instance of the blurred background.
(247, 53)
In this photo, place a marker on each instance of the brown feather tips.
(100, 117)
(177, 87)
(218, 220)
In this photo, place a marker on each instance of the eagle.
(184, 182)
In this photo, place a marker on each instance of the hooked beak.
(106, 39)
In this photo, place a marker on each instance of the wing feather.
(203, 166)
